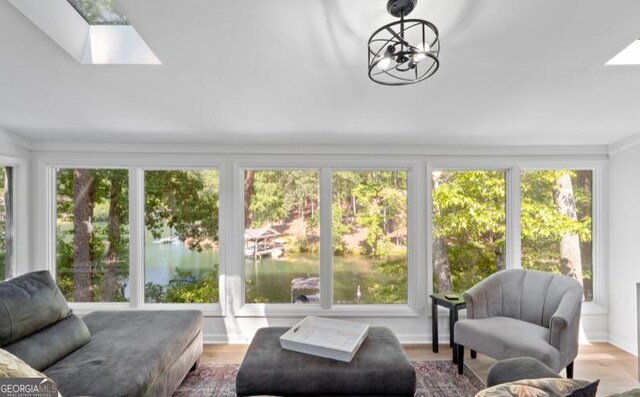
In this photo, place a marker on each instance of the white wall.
(624, 246)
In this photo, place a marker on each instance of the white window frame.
(19, 218)
(510, 214)
(136, 165)
(326, 165)
(213, 308)
(599, 303)
(231, 219)
(513, 168)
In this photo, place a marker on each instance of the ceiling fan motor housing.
(400, 8)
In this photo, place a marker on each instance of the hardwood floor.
(617, 369)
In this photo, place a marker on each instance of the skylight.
(99, 12)
(92, 31)
(628, 56)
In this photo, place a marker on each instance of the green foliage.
(339, 229)
(470, 211)
(64, 262)
(99, 12)
(186, 287)
(543, 226)
(187, 202)
(277, 194)
(380, 208)
(392, 287)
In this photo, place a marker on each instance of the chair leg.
(569, 370)
(460, 352)
(474, 354)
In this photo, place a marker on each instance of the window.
(92, 234)
(181, 236)
(281, 247)
(469, 221)
(556, 223)
(99, 12)
(6, 224)
(369, 228)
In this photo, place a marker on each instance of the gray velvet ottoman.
(380, 368)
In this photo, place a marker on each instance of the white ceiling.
(526, 72)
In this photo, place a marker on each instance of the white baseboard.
(416, 339)
(625, 345)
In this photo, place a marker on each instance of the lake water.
(268, 279)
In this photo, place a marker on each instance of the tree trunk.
(570, 258)
(500, 263)
(441, 268)
(441, 265)
(248, 192)
(83, 194)
(109, 281)
(355, 210)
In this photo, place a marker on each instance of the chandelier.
(403, 52)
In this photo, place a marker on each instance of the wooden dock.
(262, 242)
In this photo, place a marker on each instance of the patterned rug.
(435, 379)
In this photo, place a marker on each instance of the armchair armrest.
(563, 325)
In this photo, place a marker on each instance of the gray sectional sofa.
(109, 353)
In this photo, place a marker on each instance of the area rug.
(434, 379)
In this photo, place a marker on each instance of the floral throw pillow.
(543, 387)
(12, 367)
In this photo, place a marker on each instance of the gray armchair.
(516, 313)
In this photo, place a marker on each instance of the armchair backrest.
(527, 295)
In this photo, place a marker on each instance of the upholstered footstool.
(379, 368)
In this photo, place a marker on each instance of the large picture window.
(181, 236)
(556, 223)
(281, 237)
(6, 229)
(369, 228)
(469, 222)
(92, 234)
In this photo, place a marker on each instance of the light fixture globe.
(403, 52)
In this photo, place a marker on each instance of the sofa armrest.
(564, 324)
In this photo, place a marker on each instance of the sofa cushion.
(29, 303)
(128, 352)
(514, 369)
(497, 337)
(43, 348)
(543, 387)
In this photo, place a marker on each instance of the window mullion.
(513, 230)
(136, 243)
(326, 240)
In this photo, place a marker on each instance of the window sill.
(208, 310)
(299, 310)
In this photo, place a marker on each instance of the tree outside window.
(181, 236)
(92, 234)
(556, 224)
(369, 222)
(469, 222)
(281, 237)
